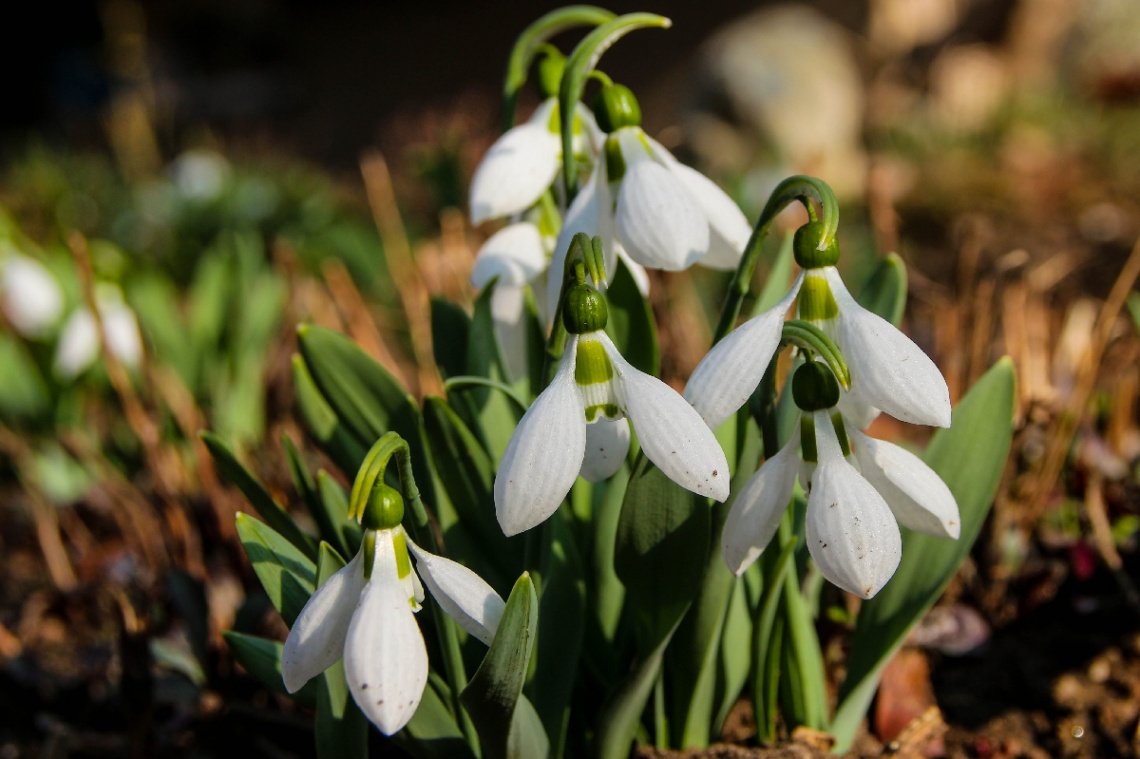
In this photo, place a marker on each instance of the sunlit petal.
(122, 331)
(464, 595)
(758, 507)
(316, 640)
(518, 168)
(514, 254)
(545, 453)
(657, 219)
(891, 372)
(607, 443)
(918, 497)
(729, 374)
(729, 228)
(857, 412)
(672, 434)
(78, 345)
(31, 298)
(851, 533)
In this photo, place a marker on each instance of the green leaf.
(209, 297)
(779, 277)
(23, 392)
(631, 324)
(885, 290)
(527, 738)
(661, 551)
(432, 732)
(366, 398)
(331, 434)
(491, 696)
(621, 716)
(450, 326)
(735, 655)
(257, 495)
(330, 515)
(261, 658)
(334, 500)
(288, 576)
(155, 300)
(969, 457)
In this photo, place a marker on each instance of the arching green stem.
(801, 188)
(578, 67)
(811, 338)
(530, 42)
(585, 253)
(466, 380)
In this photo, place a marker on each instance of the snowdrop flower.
(578, 425)
(860, 489)
(364, 614)
(517, 255)
(29, 295)
(888, 371)
(78, 345)
(650, 210)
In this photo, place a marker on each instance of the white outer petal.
(857, 412)
(514, 254)
(518, 168)
(730, 372)
(851, 533)
(671, 432)
(728, 226)
(918, 497)
(658, 221)
(607, 443)
(508, 307)
(759, 505)
(30, 296)
(545, 453)
(316, 640)
(78, 345)
(464, 595)
(584, 215)
(385, 660)
(890, 371)
(122, 331)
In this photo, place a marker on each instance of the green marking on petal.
(615, 161)
(807, 439)
(554, 124)
(608, 410)
(593, 366)
(841, 433)
(400, 545)
(816, 303)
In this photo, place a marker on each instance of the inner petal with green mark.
(594, 374)
(816, 303)
(408, 579)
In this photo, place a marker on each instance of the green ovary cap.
(385, 509)
(550, 74)
(806, 247)
(584, 310)
(814, 387)
(616, 107)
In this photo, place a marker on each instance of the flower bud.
(814, 387)
(806, 247)
(616, 107)
(385, 509)
(585, 310)
(550, 74)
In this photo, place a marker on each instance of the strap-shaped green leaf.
(432, 732)
(288, 576)
(334, 438)
(969, 457)
(450, 326)
(328, 523)
(493, 693)
(261, 658)
(885, 290)
(631, 324)
(257, 495)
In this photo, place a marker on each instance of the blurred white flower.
(200, 174)
(79, 346)
(30, 296)
(370, 623)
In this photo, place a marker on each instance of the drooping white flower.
(79, 346)
(653, 212)
(370, 623)
(578, 426)
(855, 504)
(524, 162)
(29, 295)
(888, 371)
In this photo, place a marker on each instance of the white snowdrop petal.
(851, 533)
(657, 220)
(584, 215)
(730, 372)
(918, 497)
(670, 431)
(518, 168)
(78, 345)
(545, 453)
(607, 443)
(514, 254)
(122, 331)
(728, 226)
(759, 505)
(385, 660)
(464, 595)
(856, 411)
(891, 372)
(316, 640)
(30, 296)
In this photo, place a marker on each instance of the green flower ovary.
(594, 374)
